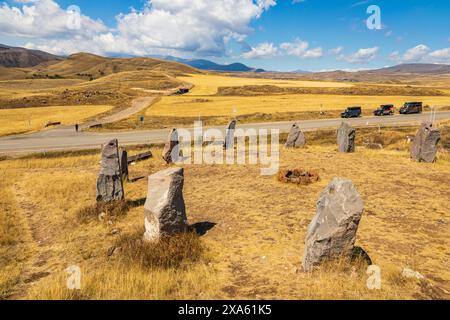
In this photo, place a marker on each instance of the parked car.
(385, 110)
(411, 107)
(351, 112)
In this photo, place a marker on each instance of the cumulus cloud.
(300, 48)
(163, 27)
(362, 56)
(263, 50)
(421, 54)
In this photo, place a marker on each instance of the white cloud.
(263, 50)
(163, 27)
(421, 54)
(362, 56)
(300, 48)
(442, 55)
(43, 19)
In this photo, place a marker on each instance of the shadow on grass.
(202, 228)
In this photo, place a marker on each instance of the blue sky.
(272, 34)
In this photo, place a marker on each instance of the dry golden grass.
(187, 106)
(207, 84)
(22, 120)
(255, 249)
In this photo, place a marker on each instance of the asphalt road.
(68, 139)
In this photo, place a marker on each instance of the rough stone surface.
(332, 231)
(297, 176)
(171, 147)
(424, 144)
(229, 138)
(346, 138)
(165, 211)
(296, 138)
(109, 182)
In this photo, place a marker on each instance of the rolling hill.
(203, 64)
(14, 57)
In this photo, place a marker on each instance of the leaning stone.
(346, 138)
(109, 181)
(296, 138)
(171, 148)
(424, 144)
(332, 232)
(229, 138)
(165, 211)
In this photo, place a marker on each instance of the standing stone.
(332, 231)
(229, 138)
(424, 145)
(123, 156)
(165, 212)
(171, 147)
(346, 138)
(296, 138)
(109, 181)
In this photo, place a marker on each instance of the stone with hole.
(171, 148)
(424, 144)
(229, 137)
(296, 138)
(109, 181)
(332, 232)
(346, 138)
(164, 209)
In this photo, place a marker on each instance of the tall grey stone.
(332, 231)
(296, 138)
(123, 156)
(424, 145)
(109, 181)
(346, 138)
(171, 148)
(229, 137)
(164, 209)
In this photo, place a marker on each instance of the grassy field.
(207, 84)
(13, 121)
(257, 227)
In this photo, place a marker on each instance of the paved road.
(55, 140)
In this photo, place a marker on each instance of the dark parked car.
(385, 110)
(411, 107)
(351, 112)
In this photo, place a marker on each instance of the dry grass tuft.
(103, 211)
(169, 252)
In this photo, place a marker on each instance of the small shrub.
(111, 211)
(169, 252)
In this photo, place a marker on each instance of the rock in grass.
(332, 231)
(424, 144)
(171, 148)
(109, 181)
(296, 138)
(164, 209)
(123, 156)
(346, 138)
(229, 138)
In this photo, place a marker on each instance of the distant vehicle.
(411, 107)
(351, 112)
(385, 110)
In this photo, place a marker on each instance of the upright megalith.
(332, 232)
(165, 212)
(109, 181)
(171, 148)
(229, 135)
(123, 156)
(346, 138)
(296, 138)
(424, 145)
